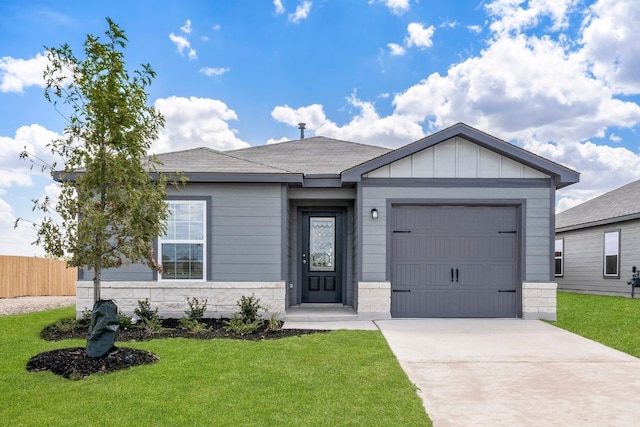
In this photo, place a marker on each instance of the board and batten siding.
(584, 259)
(538, 233)
(455, 158)
(244, 232)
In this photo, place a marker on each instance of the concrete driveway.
(499, 372)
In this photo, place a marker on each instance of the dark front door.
(321, 256)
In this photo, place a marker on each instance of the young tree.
(112, 200)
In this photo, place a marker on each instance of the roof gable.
(509, 152)
(621, 204)
(456, 158)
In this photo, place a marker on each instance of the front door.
(321, 255)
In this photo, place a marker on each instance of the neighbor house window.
(559, 257)
(611, 253)
(182, 249)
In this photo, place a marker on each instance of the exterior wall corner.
(539, 301)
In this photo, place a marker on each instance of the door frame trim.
(343, 210)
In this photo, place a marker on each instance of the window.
(559, 257)
(611, 253)
(182, 249)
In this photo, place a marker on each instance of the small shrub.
(144, 311)
(238, 325)
(152, 326)
(249, 308)
(196, 309)
(193, 326)
(86, 315)
(67, 325)
(124, 322)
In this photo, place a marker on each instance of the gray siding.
(584, 254)
(244, 234)
(538, 235)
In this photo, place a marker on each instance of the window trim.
(604, 255)
(204, 242)
(560, 257)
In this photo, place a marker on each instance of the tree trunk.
(97, 278)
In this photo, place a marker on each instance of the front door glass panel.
(322, 243)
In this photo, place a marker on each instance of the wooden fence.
(24, 276)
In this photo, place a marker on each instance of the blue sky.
(560, 78)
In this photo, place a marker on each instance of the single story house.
(457, 224)
(597, 243)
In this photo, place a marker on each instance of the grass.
(612, 321)
(339, 378)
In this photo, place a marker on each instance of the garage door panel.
(465, 261)
(421, 275)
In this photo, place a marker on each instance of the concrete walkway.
(495, 372)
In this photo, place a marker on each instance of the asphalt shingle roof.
(207, 160)
(310, 156)
(620, 204)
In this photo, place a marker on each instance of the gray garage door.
(454, 261)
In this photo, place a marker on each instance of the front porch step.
(320, 313)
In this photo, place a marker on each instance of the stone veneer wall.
(374, 300)
(171, 297)
(539, 300)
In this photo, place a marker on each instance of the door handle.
(452, 275)
(457, 274)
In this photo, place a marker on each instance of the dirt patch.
(72, 363)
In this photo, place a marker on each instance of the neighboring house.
(457, 224)
(597, 243)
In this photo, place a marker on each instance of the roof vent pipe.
(302, 126)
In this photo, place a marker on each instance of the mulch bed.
(72, 363)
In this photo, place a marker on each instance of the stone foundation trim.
(171, 297)
(539, 300)
(374, 300)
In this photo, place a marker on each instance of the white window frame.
(164, 240)
(611, 250)
(559, 257)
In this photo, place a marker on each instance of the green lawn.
(339, 378)
(612, 321)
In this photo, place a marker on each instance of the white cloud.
(18, 74)
(621, 165)
(511, 17)
(476, 29)
(217, 27)
(301, 12)
(279, 7)
(396, 49)
(186, 28)
(213, 71)
(419, 36)
(276, 141)
(16, 241)
(366, 126)
(34, 140)
(196, 122)
(183, 45)
(521, 86)
(397, 7)
(611, 45)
